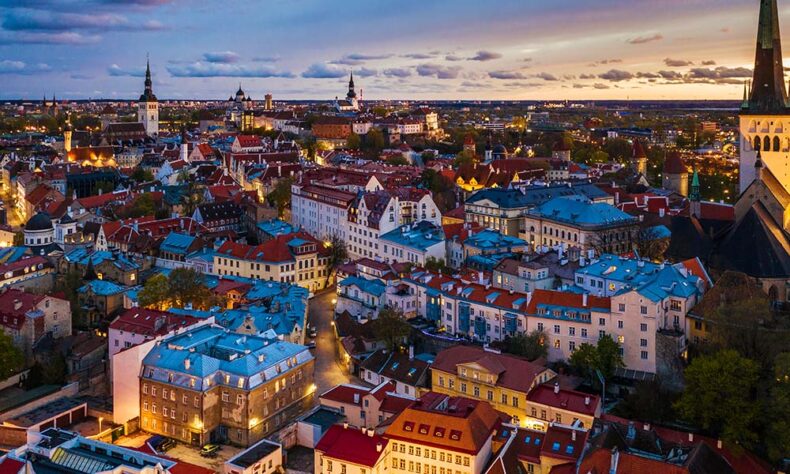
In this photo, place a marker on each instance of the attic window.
(569, 449)
(424, 429)
(455, 435)
(408, 426)
(438, 432)
(555, 446)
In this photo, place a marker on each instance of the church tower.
(67, 132)
(148, 106)
(351, 96)
(765, 113)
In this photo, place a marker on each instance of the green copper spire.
(694, 195)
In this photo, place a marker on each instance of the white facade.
(773, 134)
(148, 115)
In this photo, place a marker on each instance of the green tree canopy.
(281, 195)
(11, 358)
(353, 142)
(391, 327)
(604, 357)
(155, 293)
(719, 396)
(530, 346)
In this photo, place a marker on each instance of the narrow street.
(328, 371)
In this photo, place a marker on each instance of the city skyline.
(701, 49)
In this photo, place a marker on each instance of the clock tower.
(148, 106)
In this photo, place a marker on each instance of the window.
(621, 339)
(571, 331)
(602, 321)
(643, 309)
(620, 324)
(674, 305)
(643, 327)
(556, 329)
(556, 343)
(644, 355)
(584, 332)
(643, 342)
(571, 346)
(621, 307)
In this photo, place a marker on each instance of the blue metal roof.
(420, 236)
(373, 287)
(177, 243)
(581, 211)
(491, 239)
(103, 288)
(276, 227)
(218, 357)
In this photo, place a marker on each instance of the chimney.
(615, 460)
(370, 433)
(587, 400)
(379, 447)
(556, 387)
(584, 299)
(647, 426)
(345, 425)
(411, 352)
(356, 398)
(718, 444)
(187, 363)
(17, 305)
(573, 435)
(661, 212)
(691, 437)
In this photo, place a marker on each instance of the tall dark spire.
(351, 92)
(148, 94)
(769, 93)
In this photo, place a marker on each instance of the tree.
(650, 401)
(353, 142)
(604, 357)
(102, 187)
(391, 327)
(374, 141)
(144, 205)
(650, 244)
(778, 430)
(434, 265)
(464, 157)
(19, 239)
(142, 175)
(193, 197)
(11, 358)
(281, 195)
(337, 256)
(531, 346)
(599, 156)
(397, 160)
(188, 287)
(719, 396)
(155, 293)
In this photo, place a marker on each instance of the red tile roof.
(11, 466)
(345, 394)
(566, 299)
(571, 400)
(149, 322)
(514, 373)
(352, 446)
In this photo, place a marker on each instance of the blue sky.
(443, 49)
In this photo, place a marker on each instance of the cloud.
(437, 71)
(485, 56)
(355, 59)
(709, 62)
(118, 71)
(648, 75)
(677, 62)
(418, 55)
(365, 72)
(8, 66)
(606, 61)
(397, 72)
(221, 57)
(453, 57)
(616, 75)
(506, 75)
(645, 39)
(546, 76)
(721, 72)
(44, 20)
(599, 85)
(66, 37)
(587, 76)
(207, 69)
(266, 59)
(670, 75)
(323, 71)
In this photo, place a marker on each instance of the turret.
(768, 94)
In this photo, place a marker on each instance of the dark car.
(161, 443)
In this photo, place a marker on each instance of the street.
(328, 372)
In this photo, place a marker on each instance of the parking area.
(192, 455)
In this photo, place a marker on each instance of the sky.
(409, 49)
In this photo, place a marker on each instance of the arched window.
(757, 143)
(766, 143)
(776, 143)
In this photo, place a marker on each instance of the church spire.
(148, 94)
(351, 92)
(768, 94)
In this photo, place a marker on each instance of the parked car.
(209, 450)
(161, 443)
